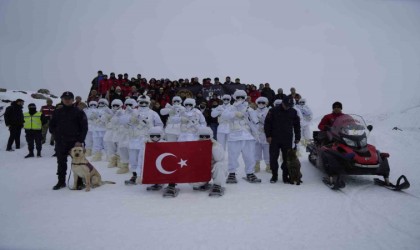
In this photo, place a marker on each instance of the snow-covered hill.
(249, 216)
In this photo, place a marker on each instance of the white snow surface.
(248, 216)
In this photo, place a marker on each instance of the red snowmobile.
(343, 150)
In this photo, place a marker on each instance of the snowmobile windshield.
(349, 125)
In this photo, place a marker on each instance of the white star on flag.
(183, 163)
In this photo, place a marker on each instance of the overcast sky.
(363, 53)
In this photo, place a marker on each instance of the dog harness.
(90, 166)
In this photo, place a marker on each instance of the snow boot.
(171, 191)
(31, 154)
(257, 167)
(123, 169)
(113, 162)
(251, 178)
(154, 187)
(267, 168)
(274, 179)
(88, 152)
(217, 191)
(97, 156)
(132, 180)
(204, 187)
(38, 154)
(61, 183)
(231, 179)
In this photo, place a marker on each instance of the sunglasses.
(204, 136)
(260, 102)
(188, 105)
(143, 103)
(240, 97)
(115, 106)
(227, 100)
(176, 101)
(129, 104)
(155, 136)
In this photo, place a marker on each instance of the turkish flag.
(177, 162)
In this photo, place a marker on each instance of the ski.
(155, 187)
(399, 187)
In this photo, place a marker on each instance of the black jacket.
(13, 116)
(69, 124)
(280, 124)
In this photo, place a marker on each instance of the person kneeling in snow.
(218, 168)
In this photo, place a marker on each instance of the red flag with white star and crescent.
(177, 162)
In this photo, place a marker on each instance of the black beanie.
(337, 104)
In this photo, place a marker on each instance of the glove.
(168, 105)
(239, 114)
(184, 120)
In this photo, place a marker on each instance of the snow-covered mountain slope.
(249, 216)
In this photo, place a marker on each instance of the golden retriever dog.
(293, 165)
(81, 167)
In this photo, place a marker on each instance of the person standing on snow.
(69, 125)
(125, 131)
(261, 145)
(173, 124)
(13, 117)
(47, 111)
(280, 124)
(110, 144)
(240, 139)
(223, 128)
(99, 129)
(33, 129)
(142, 120)
(305, 122)
(91, 114)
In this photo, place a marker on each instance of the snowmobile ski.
(400, 185)
(155, 187)
(337, 185)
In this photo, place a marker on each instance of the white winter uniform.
(173, 124)
(99, 129)
(261, 145)
(114, 137)
(218, 165)
(240, 138)
(142, 120)
(223, 128)
(305, 122)
(91, 115)
(191, 121)
(123, 134)
(299, 113)
(109, 145)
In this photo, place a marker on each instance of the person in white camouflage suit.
(110, 144)
(191, 120)
(223, 128)
(173, 124)
(261, 145)
(99, 129)
(91, 114)
(305, 121)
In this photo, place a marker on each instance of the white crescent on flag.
(159, 163)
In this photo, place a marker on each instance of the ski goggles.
(205, 136)
(240, 97)
(261, 103)
(115, 106)
(176, 101)
(129, 105)
(144, 103)
(226, 100)
(188, 105)
(155, 137)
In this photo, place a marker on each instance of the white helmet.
(263, 101)
(302, 101)
(240, 93)
(143, 101)
(277, 102)
(93, 104)
(116, 104)
(189, 103)
(176, 100)
(130, 103)
(205, 131)
(103, 103)
(156, 133)
(226, 99)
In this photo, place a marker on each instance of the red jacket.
(328, 120)
(104, 86)
(47, 110)
(254, 94)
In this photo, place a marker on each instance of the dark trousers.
(275, 148)
(213, 127)
(34, 136)
(62, 149)
(14, 137)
